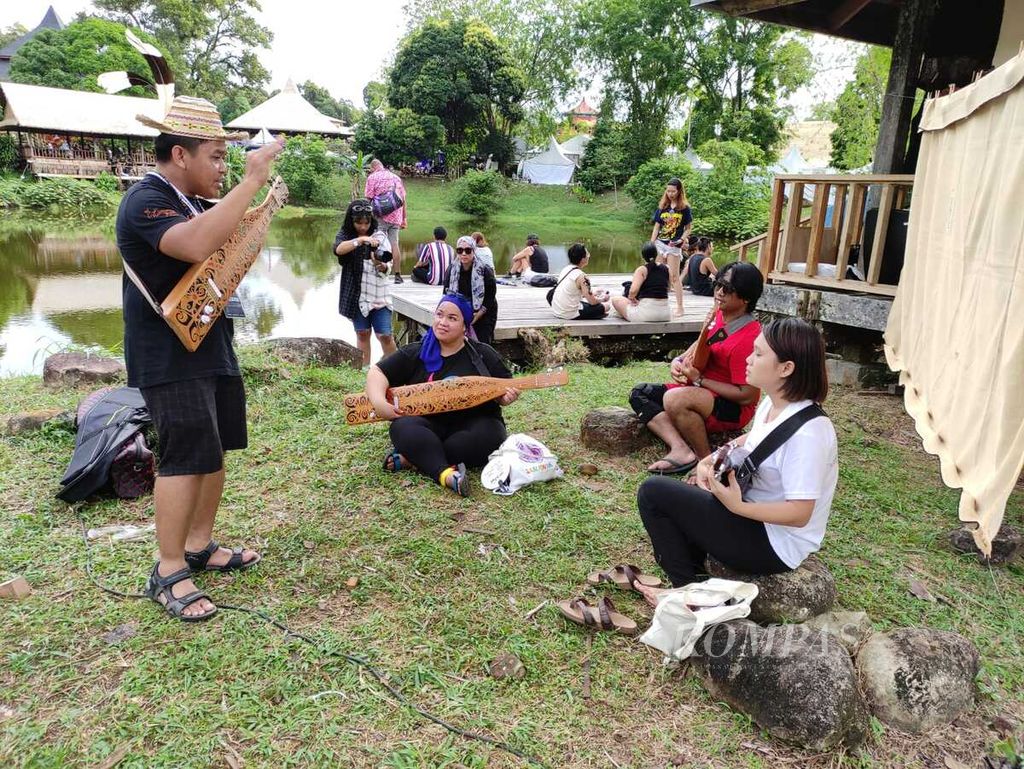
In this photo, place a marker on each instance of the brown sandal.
(625, 576)
(605, 618)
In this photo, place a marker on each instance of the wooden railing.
(816, 250)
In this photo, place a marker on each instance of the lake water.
(60, 283)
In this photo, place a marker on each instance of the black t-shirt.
(153, 354)
(539, 260)
(404, 367)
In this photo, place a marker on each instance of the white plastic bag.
(519, 461)
(683, 614)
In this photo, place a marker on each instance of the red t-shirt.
(727, 361)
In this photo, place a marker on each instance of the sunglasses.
(465, 250)
(725, 288)
(362, 209)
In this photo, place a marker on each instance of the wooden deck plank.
(527, 307)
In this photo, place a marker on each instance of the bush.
(479, 193)
(330, 192)
(305, 167)
(59, 194)
(733, 199)
(647, 185)
(107, 183)
(8, 153)
(236, 167)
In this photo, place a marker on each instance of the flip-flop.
(396, 461)
(604, 616)
(675, 467)
(625, 576)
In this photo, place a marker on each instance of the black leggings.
(433, 443)
(686, 524)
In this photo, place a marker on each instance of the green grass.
(437, 601)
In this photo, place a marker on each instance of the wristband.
(699, 381)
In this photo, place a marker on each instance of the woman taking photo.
(470, 278)
(441, 446)
(781, 518)
(672, 222)
(647, 300)
(364, 253)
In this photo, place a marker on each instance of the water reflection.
(60, 284)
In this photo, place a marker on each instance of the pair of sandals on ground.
(159, 588)
(604, 615)
(455, 477)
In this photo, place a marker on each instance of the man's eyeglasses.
(465, 250)
(725, 288)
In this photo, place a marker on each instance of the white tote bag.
(519, 461)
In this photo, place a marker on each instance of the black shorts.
(591, 311)
(197, 420)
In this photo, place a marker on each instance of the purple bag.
(386, 203)
(133, 472)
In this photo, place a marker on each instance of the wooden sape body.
(702, 350)
(199, 298)
(453, 394)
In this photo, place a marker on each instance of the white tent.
(549, 167)
(696, 161)
(288, 112)
(575, 147)
(261, 139)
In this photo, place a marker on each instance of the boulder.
(793, 596)
(850, 628)
(917, 678)
(70, 369)
(795, 682)
(30, 421)
(614, 430)
(314, 350)
(1007, 544)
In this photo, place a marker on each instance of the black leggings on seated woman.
(686, 524)
(432, 444)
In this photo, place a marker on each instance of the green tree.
(358, 168)
(72, 57)
(375, 95)
(234, 104)
(646, 186)
(479, 193)
(460, 72)
(306, 168)
(741, 71)
(321, 98)
(638, 45)
(210, 45)
(857, 111)
(730, 201)
(603, 165)
(11, 34)
(399, 136)
(540, 36)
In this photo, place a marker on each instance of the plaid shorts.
(197, 420)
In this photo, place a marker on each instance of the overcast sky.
(342, 46)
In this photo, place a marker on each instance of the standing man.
(165, 224)
(380, 181)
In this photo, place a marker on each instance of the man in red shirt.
(719, 398)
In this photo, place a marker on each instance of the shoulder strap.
(777, 437)
(565, 276)
(478, 361)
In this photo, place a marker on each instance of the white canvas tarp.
(956, 329)
(549, 167)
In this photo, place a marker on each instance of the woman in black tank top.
(701, 270)
(647, 296)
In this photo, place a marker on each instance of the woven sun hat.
(194, 118)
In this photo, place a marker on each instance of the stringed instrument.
(199, 298)
(702, 349)
(452, 394)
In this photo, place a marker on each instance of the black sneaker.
(398, 279)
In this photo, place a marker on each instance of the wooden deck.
(526, 307)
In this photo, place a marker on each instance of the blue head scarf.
(430, 348)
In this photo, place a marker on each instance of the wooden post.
(766, 254)
(818, 212)
(796, 207)
(907, 54)
(881, 230)
(851, 226)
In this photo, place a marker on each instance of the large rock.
(70, 369)
(1007, 544)
(793, 596)
(314, 350)
(917, 678)
(850, 628)
(614, 430)
(797, 683)
(29, 421)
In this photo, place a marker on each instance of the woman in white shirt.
(781, 518)
(573, 298)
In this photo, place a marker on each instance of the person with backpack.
(166, 223)
(386, 192)
(769, 515)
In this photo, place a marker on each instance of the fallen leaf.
(6, 711)
(920, 591)
(233, 762)
(952, 763)
(1001, 724)
(352, 582)
(588, 469)
(114, 758)
(457, 517)
(309, 545)
(120, 633)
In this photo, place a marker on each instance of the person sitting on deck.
(470, 278)
(433, 259)
(717, 399)
(701, 269)
(646, 299)
(532, 259)
(442, 445)
(777, 522)
(573, 298)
